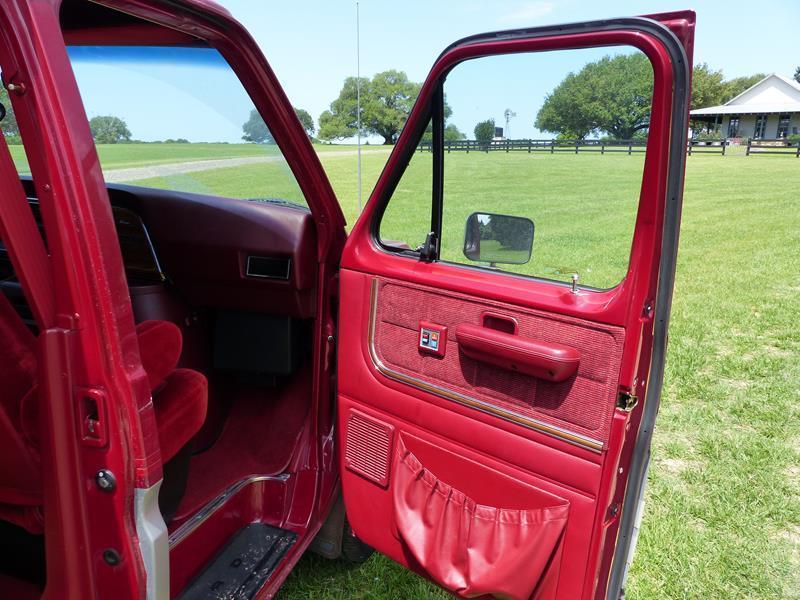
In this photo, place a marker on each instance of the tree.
(797, 74)
(9, 122)
(708, 87)
(255, 130)
(736, 86)
(386, 102)
(452, 134)
(109, 130)
(306, 121)
(612, 95)
(484, 131)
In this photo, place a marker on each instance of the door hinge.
(627, 401)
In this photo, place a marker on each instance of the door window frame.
(432, 93)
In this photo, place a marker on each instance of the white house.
(769, 109)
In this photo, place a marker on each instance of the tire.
(353, 549)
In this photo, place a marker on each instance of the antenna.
(358, 101)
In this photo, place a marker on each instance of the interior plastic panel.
(207, 256)
(488, 459)
(583, 403)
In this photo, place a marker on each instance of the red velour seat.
(180, 398)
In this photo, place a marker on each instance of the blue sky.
(311, 46)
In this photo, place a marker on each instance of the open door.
(496, 405)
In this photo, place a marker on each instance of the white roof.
(773, 94)
(747, 109)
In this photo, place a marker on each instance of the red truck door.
(494, 428)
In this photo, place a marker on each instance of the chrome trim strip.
(552, 430)
(182, 532)
(153, 254)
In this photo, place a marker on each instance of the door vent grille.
(368, 447)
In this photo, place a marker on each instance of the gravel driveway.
(193, 166)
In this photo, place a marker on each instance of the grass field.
(722, 517)
(723, 504)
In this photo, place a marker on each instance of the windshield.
(178, 118)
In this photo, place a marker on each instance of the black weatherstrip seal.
(669, 246)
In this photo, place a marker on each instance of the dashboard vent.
(268, 267)
(368, 446)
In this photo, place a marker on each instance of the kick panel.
(582, 404)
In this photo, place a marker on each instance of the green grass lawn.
(722, 518)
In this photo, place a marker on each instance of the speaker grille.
(368, 447)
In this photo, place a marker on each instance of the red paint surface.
(586, 480)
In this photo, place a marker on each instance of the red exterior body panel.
(93, 341)
(490, 461)
(417, 398)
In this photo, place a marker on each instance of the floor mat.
(259, 438)
(243, 566)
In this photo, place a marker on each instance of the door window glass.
(542, 168)
(733, 126)
(783, 125)
(761, 126)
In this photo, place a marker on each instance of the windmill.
(508, 114)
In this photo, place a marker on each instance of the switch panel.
(432, 338)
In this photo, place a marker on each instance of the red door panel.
(454, 441)
(578, 409)
(482, 443)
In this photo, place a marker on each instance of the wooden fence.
(707, 146)
(773, 146)
(571, 146)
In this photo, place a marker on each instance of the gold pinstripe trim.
(509, 415)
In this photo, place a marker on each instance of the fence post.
(724, 143)
(630, 148)
(529, 146)
(552, 146)
(602, 147)
(798, 149)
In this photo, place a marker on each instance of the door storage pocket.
(475, 549)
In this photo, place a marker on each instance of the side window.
(542, 157)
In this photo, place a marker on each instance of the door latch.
(627, 401)
(92, 417)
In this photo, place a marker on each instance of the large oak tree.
(612, 95)
(255, 130)
(109, 129)
(386, 102)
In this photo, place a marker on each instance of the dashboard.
(215, 252)
(141, 262)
